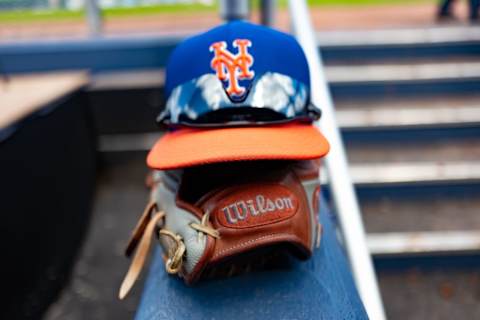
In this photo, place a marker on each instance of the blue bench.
(320, 288)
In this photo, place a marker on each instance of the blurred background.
(66, 19)
(82, 81)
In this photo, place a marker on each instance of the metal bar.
(94, 18)
(267, 12)
(234, 10)
(343, 193)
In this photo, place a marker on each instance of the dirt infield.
(325, 18)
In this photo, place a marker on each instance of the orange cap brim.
(191, 147)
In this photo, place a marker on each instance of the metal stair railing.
(344, 197)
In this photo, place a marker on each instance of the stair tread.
(430, 294)
(432, 111)
(422, 213)
(403, 36)
(407, 243)
(379, 173)
(416, 71)
(438, 150)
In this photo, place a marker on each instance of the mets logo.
(232, 68)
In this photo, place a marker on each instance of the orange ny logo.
(232, 67)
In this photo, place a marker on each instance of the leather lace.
(142, 236)
(203, 227)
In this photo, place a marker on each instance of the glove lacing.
(141, 237)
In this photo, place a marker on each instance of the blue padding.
(320, 288)
(96, 55)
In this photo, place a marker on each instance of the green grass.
(364, 2)
(158, 9)
(29, 15)
(62, 15)
(23, 16)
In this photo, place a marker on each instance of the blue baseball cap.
(243, 82)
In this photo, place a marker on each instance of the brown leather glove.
(214, 219)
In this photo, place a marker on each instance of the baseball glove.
(219, 220)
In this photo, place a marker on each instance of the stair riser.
(368, 135)
(413, 190)
(467, 260)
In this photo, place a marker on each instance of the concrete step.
(412, 71)
(399, 36)
(410, 119)
(381, 175)
(448, 210)
(439, 150)
(377, 46)
(407, 79)
(440, 293)
(421, 243)
(404, 113)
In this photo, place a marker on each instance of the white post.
(337, 167)
(267, 12)
(234, 9)
(94, 18)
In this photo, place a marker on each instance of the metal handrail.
(234, 10)
(344, 197)
(267, 12)
(94, 18)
